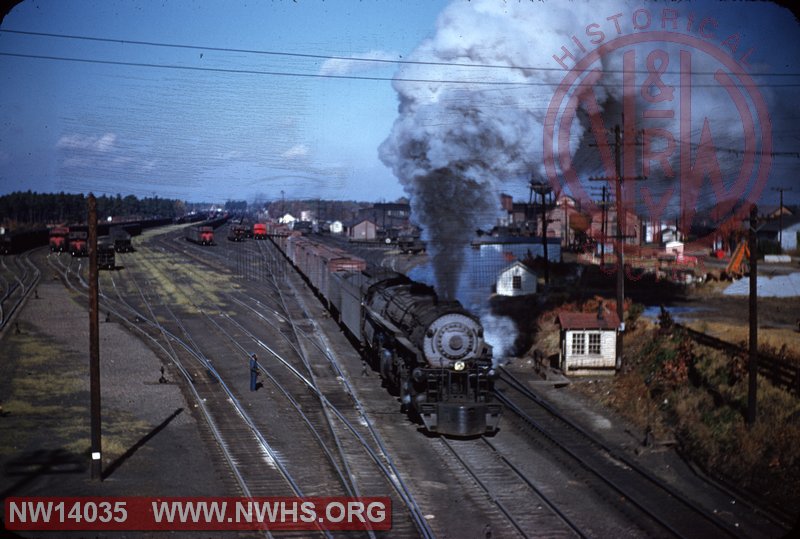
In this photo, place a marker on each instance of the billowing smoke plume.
(467, 133)
(457, 140)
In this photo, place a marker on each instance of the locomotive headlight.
(459, 365)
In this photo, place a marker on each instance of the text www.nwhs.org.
(139, 513)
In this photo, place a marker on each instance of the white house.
(287, 219)
(516, 280)
(790, 236)
(588, 342)
(337, 227)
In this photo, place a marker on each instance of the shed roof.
(609, 321)
(519, 264)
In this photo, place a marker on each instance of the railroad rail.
(238, 335)
(227, 420)
(663, 507)
(17, 280)
(516, 496)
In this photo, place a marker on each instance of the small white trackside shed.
(588, 343)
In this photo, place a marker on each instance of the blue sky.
(212, 124)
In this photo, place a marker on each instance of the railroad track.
(523, 507)
(661, 509)
(18, 277)
(173, 333)
(292, 322)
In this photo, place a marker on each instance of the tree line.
(27, 209)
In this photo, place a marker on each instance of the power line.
(344, 58)
(319, 75)
(258, 72)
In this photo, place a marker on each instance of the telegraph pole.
(752, 402)
(603, 228)
(620, 237)
(94, 344)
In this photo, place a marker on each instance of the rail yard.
(183, 419)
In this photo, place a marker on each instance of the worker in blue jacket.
(253, 372)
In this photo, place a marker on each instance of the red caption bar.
(138, 513)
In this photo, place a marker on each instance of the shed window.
(516, 282)
(578, 344)
(594, 343)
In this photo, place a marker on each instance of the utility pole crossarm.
(618, 180)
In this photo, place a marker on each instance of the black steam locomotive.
(432, 352)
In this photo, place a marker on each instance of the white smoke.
(500, 332)
(456, 142)
(467, 133)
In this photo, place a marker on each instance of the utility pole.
(752, 402)
(780, 216)
(94, 344)
(566, 218)
(603, 229)
(619, 237)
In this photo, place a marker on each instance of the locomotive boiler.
(432, 352)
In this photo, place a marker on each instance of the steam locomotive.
(429, 351)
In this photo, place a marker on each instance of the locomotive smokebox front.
(452, 338)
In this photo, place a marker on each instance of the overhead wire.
(330, 57)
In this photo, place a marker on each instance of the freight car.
(429, 351)
(203, 235)
(236, 232)
(18, 241)
(120, 239)
(106, 258)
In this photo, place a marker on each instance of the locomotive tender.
(432, 352)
